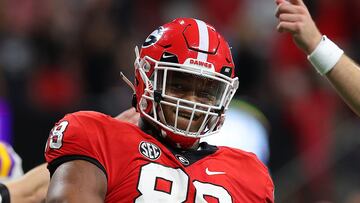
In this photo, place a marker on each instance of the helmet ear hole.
(147, 66)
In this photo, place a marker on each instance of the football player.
(32, 187)
(327, 58)
(10, 161)
(184, 82)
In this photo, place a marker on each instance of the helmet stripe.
(203, 40)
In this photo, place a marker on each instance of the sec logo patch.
(149, 150)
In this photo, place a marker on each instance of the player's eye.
(179, 87)
(207, 95)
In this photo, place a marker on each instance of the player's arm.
(77, 181)
(30, 188)
(344, 75)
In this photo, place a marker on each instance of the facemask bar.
(208, 114)
(211, 112)
(192, 116)
(182, 132)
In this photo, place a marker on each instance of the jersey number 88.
(179, 184)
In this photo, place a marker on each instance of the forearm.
(31, 188)
(26, 196)
(345, 78)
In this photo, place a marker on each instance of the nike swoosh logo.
(210, 173)
(167, 56)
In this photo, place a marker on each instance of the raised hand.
(294, 17)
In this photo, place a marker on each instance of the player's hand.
(294, 17)
(130, 116)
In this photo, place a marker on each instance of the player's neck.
(148, 128)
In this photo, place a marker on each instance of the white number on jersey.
(149, 177)
(177, 186)
(208, 189)
(56, 135)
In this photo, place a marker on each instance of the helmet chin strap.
(160, 113)
(127, 81)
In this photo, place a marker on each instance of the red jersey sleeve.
(250, 172)
(70, 139)
(269, 185)
(270, 190)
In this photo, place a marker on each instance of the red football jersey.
(140, 168)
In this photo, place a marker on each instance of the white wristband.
(325, 55)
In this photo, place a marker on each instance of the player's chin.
(183, 123)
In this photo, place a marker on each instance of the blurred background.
(60, 56)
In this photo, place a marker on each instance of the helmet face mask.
(177, 88)
(180, 84)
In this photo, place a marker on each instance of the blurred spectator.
(10, 163)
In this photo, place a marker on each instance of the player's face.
(192, 88)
